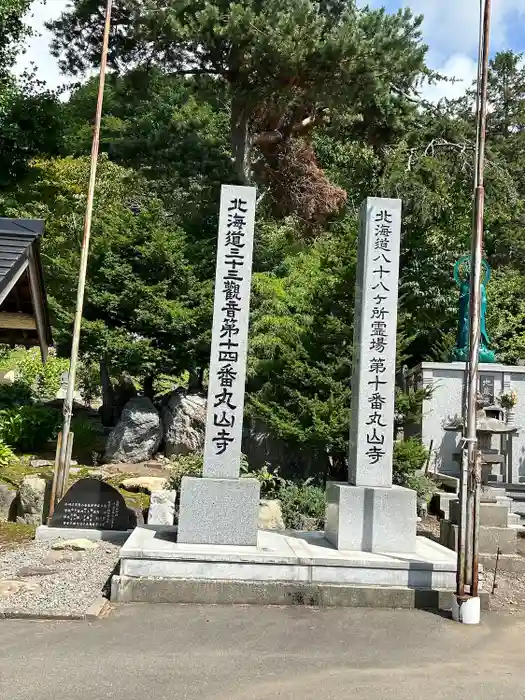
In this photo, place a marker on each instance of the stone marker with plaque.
(94, 505)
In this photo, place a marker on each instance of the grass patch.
(13, 473)
(135, 500)
(15, 534)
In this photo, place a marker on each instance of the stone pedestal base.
(371, 519)
(218, 511)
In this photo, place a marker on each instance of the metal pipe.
(477, 250)
(63, 462)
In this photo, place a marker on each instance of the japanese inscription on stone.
(222, 451)
(374, 359)
(93, 505)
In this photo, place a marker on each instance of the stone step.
(517, 496)
(514, 563)
(490, 538)
(127, 589)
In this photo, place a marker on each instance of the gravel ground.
(55, 582)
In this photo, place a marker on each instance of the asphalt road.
(253, 653)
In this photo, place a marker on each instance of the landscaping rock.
(8, 588)
(32, 494)
(138, 434)
(162, 508)
(80, 545)
(62, 556)
(270, 516)
(40, 463)
(27, 571)
(7, 496)
(144, 484)
(184, 419)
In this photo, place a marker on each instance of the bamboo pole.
(477, 251)
(62, 468)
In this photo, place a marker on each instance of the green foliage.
(281, 67)
(85, 439)
(409, 406)
(16, 394)
(143, 311)
(43, 380)
(269, 479)
(272, 82)
(88, 380)
(302, 499)
(7, 456)
(29, 428)
(424, 486)
(184, 465)
(409, 457)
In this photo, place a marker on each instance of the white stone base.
(371, 518)
(218, 511)
(43, 532)
(287, 556)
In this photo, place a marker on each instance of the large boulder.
(7, 496)
(184, 419)
(31, 500)
(137, 435)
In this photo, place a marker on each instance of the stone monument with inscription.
(369, 545)
(369, 513)
(220, 507)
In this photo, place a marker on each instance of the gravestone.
(221, 508)
(93, 505)
(369, 513)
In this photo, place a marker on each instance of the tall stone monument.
(221, 508)
(369, 513)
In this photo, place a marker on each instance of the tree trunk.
(193, 382)
(241, 144)
(148, 387)
(107, 410)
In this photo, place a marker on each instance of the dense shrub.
(302, 500)
(29, 428)
(88, 380)
(184, 465)
(17, 394)
(270, 481)
(409, 457)
(7, 456)
(42, 380)
(85, 434)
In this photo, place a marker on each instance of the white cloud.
(452, 26)
(462, 69)
(37, 47)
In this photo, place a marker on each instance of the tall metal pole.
(475, 299)
(62, 468)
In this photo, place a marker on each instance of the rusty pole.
(477, 251)
(62, 468)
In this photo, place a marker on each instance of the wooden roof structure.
(24, 316)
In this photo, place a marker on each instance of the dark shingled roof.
(16, 237)
(22, 282)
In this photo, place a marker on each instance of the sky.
(450, 30)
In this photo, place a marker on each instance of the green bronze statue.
(462, 278)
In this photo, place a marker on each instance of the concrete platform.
(304, 563)
(43, 532)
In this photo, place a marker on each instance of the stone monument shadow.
(444, 462)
